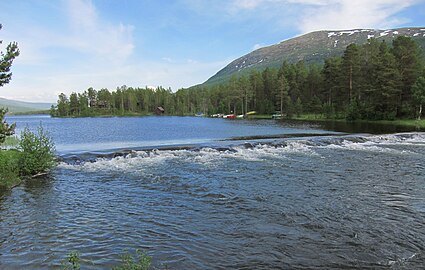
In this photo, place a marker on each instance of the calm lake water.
(177, 189)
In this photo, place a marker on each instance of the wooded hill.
(376, 80)
(15, 106)
(312, 48)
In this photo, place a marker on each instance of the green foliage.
(353, 112)
(418, 90)
(37, 152)
(371, 81)
(142, 262)
(128, 262)
(9, 168)
(6, 60)
(5, 129)
(72, 261)
(10, 142)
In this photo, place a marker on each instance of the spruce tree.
(6, 60)
(418, 90)
(410, 66)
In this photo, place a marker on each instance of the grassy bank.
(10, 142)
(9, 168)
(31, 112)
(398, 122)
(403, 122)
(32, 154)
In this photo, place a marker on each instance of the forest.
(373, 81)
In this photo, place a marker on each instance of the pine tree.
(63, 105)
(387, 84)
(6, 60)
(74, 104)
(282, 95)
(351, 72)
(410, 66)
(331, 78)
(418, 90)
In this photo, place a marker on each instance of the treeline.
(371, 81)
(124, 101)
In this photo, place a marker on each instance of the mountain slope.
(15, 106)
(312, 48)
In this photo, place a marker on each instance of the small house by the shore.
(159, 110)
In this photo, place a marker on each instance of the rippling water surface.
(334, 202)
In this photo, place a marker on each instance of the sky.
(71, 45)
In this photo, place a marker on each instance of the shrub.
(9, 168)
(5, 129)
(143, 262)
(37, 152)
(72, 261)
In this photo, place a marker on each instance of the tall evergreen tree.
(418, 90)
(74, 104)
(410, 66)
(282, 95)
(351, 72)
(387, 84)
(331, 77)
(6, 60)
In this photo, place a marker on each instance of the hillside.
(312, 48)
(15, 106)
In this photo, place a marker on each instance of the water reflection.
(352, 127)
(338, 202)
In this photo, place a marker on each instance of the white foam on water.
(367, 147)
(404, 138)
(142, 160)
(376, 144)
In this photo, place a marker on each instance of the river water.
(175, 188)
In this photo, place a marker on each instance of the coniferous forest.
(373, 81)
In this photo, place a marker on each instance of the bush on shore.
(34, 155)
(37, 152)
(9, 168)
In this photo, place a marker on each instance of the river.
(180, 190)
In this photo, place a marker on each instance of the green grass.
(10, 142)
(402, 122)
(9, 168)
(31, 112)
(31, 155)
(315, 117)
(398, 122)
(260, 116)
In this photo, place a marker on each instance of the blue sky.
(71, 45)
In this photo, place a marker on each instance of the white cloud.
(91, 34)
(154, 73)
(257, 46)
(332, 14)
(348, 14)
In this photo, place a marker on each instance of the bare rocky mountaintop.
(313, 47)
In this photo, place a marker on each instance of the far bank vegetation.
(374, 81)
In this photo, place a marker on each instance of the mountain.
(313, 47)
(15, 106)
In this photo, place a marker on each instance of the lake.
(193, 194)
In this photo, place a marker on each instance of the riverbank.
(29, 156)
(411, 123)
(397, 122)
(9, 168)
